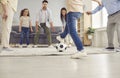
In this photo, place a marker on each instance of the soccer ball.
(61, 47)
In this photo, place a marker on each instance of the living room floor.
(48, 63)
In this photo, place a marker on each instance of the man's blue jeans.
(24, 34)
(70, 28)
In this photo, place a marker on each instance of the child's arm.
(20, 26)
(30, 23)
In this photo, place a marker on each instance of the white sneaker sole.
(60, 39)
(78, 56)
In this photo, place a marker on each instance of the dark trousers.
(47, 32)
(24, 34)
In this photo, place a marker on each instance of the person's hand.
(88, 12)
(5, 12)
(5, 16)
(53, 29)
(99, 3)
(31, 30)
(19, 30)
(37, 30)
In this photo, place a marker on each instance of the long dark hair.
(22, 11)
(61, 16)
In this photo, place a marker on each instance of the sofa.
(15, 35)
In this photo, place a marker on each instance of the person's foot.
(69, 45)
(29, 46)
(50, 46)
(110, 48)
(117, 49)
(7, 49)
(79, 55)
(60, 39)
(35, 46)
(20, 46)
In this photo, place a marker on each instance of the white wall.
(35, 5)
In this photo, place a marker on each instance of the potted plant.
(90, 32)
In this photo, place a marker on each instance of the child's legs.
(27, 36)
(22, 36)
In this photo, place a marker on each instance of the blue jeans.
(70, 28)
(24, 34)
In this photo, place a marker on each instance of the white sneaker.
(20, 46)
(7, 49)
(69, 45)
(117, 49)
(35, 46)
(60, 39)
(79, 55)
(28, 46)
(50, 46)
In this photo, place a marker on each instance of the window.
(100, 18)
(104, 18)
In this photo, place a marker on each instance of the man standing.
(44, 18)
(75, 10)
(113, 10)
(8, 7)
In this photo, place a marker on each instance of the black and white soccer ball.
(61, 47)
